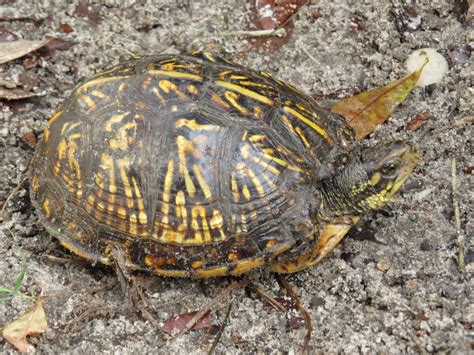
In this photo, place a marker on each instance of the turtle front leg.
(329, 237)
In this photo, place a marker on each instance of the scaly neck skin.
(339, 197)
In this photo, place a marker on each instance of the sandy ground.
(393, 286)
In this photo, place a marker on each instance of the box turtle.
(194, 166)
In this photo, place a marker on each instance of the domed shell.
(191, 165)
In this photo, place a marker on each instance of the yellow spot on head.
(374, 180)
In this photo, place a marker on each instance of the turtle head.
(387, 166)
(370, 179)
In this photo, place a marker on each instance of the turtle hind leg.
(130, 288)
(329, 237)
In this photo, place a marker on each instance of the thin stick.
(10, 195)
(309, 328)
(457, 123)
(418, 344)
(411, 310)
(267, 296)
(275, 32)
(221, 330)
(301, 46)
(210, 305)
(457, 218)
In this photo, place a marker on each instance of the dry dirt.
(393, 286)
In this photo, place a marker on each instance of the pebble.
(433, 72)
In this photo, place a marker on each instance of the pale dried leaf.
(17, 49)
(29, 324)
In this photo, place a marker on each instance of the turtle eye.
(390, 167)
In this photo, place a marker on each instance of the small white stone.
(433, 72)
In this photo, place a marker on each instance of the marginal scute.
(193, 165)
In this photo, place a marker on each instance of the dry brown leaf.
(29, 324)
(17, 49)
(418, 121)
(271, 14)
(176, 324)
(367, 110)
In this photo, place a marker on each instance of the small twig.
(411, 310)
(418, 344)
(272, 301)
(221, 330)
(275, 32)
(10, 196)
(457, 123)
(301, 46)
(208, 307)
(457, 218)
(307, 319)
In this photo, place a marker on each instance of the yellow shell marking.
(47, 208)
(87, 100)
(168, 86)
(257, 111)
(202, 182)
(257, 138)
(192, 89)
(200, 211)
(256, 182)
(146, 83)
(244, 266)
(235, 189)
(98, 94)
(246, 192)
(99, 81)
(232, 98)
(181, 211)
(122, 138)
(302, 136)
(35, 183)
(208, 56)
(142, 217)
(123, 165)
(115, 119)
(156, 92)
(218, 100)
(166, 191)
(53, 119)
(246, 92)
(310, 123)
(193, 125)
(185, 146)
(107, 163)
(287, 123)
(176, 74)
